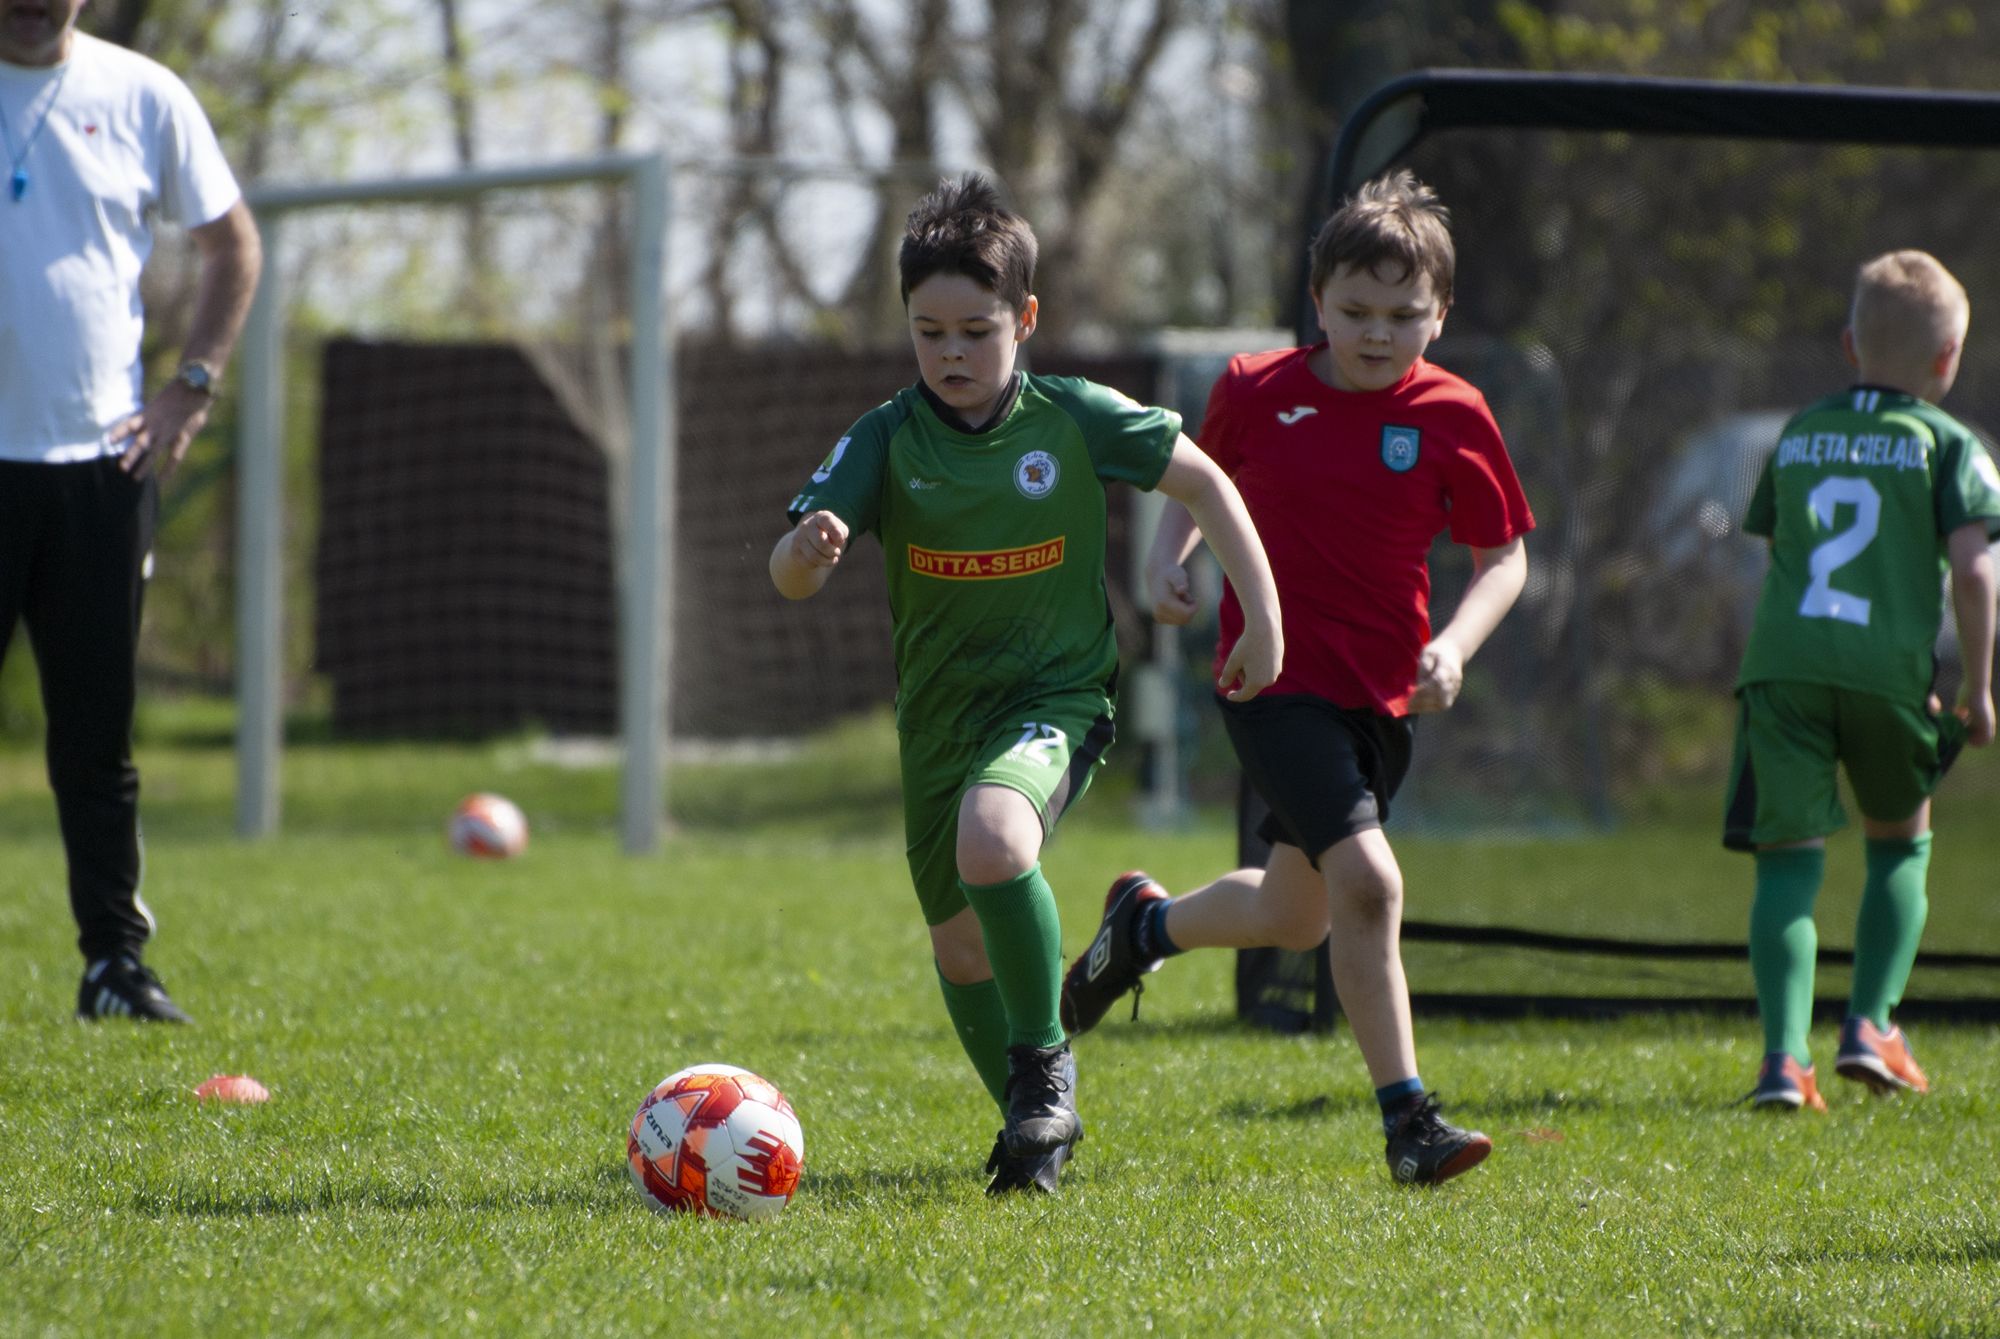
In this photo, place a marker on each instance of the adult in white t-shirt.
(98, 143)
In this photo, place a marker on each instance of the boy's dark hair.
(1394, 227)
(962, 228)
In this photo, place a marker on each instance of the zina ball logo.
(1035, 474)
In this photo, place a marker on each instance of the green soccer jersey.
(1857, 500)
(995, 542)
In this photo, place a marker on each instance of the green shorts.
(1790, 735)
(1048, 755)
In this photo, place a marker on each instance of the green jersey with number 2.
(995, 542)
(1857, 500)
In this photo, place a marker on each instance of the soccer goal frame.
(645, 618)
(1290, 991)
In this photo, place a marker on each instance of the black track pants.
(73, 544)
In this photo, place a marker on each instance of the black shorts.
(1327, 772)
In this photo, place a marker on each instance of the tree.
(1051, 90)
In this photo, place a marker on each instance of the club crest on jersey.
(1399, 448)
(825, 470)
(1035, 474)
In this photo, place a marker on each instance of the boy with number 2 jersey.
(1869, 498)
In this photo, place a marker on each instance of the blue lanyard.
(17, 184)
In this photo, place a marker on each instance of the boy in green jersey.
(1870, 496)
(986, 486)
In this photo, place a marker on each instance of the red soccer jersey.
(1348, 488)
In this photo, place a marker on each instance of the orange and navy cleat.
(1882, 1060)
(1424, 1148)
(1111, 965)
(1783, 1084)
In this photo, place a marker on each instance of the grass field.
(454, 1050)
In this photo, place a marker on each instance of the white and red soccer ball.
(490, 827)
(716, 1140)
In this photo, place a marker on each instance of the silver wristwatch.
(197, 376)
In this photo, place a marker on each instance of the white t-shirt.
(125, 144)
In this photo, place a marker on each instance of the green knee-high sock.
(1893, 907)
(1784, 944)
(980, 1020)
(1024, 944)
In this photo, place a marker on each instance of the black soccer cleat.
(1041, 1101)
(1425, 1149)
(1006, 1173)
(123, 987)
(1112, 964)
(1040, 1175)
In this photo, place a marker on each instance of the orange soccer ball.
(489, 827)
(716, 1140)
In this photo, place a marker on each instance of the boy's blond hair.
(1394, 227)
(1907, 309)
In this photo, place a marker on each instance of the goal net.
(466, 428)
(458, 371)
(1652, 275)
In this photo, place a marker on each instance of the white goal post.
(644, 620)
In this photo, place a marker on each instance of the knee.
(91, 767)
(1291, 906)
(1300, 921)
(1370, 896)
(1303, 930)
(996, 844)
(983, 863)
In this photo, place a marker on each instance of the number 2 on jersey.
(1822, 598)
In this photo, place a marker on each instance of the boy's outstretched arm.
(805, 556)
(1497, 578)
(1972, 594)
(1213, 504)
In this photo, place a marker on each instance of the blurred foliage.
(1918, 43)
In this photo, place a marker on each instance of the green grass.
(454, 1049)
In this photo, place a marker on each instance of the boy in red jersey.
(1351, 455)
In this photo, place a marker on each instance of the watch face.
(196, 376)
